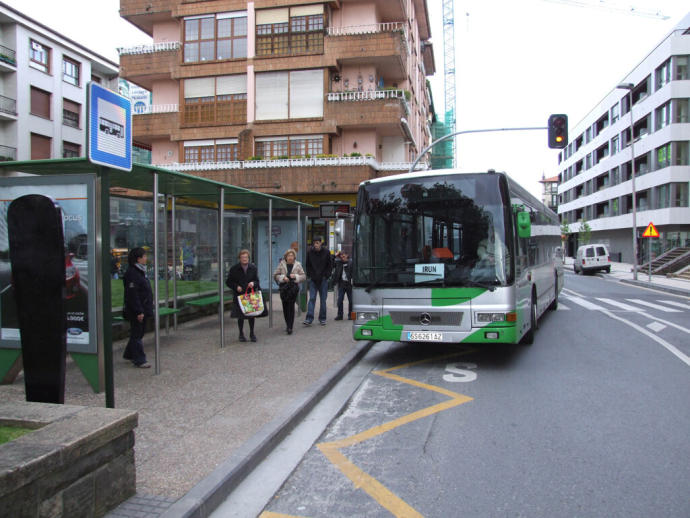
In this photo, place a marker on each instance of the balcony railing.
(167, 46)
(370, 95)
(373, 28)
(8, 56)
(292, 162)
(157, 108)
(8, 105)
(7, 153)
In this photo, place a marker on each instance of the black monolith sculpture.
(37, 255)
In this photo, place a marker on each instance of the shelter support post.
(172, 246)
(299, 245)
(104, 320)
(165, 261)
(270, 263)
(221, 260)
(156, 316)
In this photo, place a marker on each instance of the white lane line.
(654, 306)
(656, 326)
(585, 304)
(620, 305)
(674, 303)
(562, 307)
(568, 291)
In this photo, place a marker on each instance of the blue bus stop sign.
(109, 139)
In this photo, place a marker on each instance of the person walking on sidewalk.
(243, 276)
(138, 306)
(342, 280)
(319, 268)
(289, 274)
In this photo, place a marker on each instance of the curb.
(658, 287)
(210, 492)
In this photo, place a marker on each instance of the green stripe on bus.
(453, 296)
(381, 329)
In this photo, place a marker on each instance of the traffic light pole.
(451, 135)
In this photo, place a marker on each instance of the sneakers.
(322, 322)
(338, 318)
(307, 322)
(252, 337)
(243, 338)
(145, 365)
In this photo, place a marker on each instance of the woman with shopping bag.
(288, 275)
(243, 280)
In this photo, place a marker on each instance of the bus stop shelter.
(85, 193)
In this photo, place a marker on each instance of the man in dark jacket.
(342, 280)
(138, 306)
(318, 268)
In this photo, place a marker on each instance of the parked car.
(592, 258)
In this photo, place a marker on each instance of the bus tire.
(528, 339)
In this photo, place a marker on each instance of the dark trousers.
(344, 289)
(135, 347)
(289, 313)
(240, 324)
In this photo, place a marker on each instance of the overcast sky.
(517, 61)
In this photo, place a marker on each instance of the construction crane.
(609, 6)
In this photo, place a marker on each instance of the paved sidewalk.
(624, 273)
(207, 402)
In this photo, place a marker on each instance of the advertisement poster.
(73, 200)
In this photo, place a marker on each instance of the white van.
(592, 258)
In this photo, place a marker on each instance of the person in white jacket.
(289, 274)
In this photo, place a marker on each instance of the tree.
(585, 232)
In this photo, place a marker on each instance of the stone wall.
(78, 462)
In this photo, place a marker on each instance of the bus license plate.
(424, 336)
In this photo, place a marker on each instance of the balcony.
(8, 60)
(384, 45)
(157, 121)
(8, 154)
(8, 108)
(378, 108)
(144, 13)
(145, 64)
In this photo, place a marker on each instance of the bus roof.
(427, 172)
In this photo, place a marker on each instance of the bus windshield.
(434, 230)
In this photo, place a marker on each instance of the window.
(663, 196)
(71, 112)
(289, 95)
(615, 113)
(210, 38)
(680, 194)
(221, 150)
(615, 144)
(306, 146)
(290, 30)
(70, 71)
(662, 75)
(40, 146)
(40, 102)
(680, 111)
(663, 156)
(680, 153)
(662, 116)
(215, 100)
(95, 79)
(682, 63)
(39, 56)
(70, 150)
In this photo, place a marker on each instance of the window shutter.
(306, 10)
(199, 87)
(306, 93)
(40, 147)
(272, 95)
(265, 16)
(227, 85)
(71, 106)
(40, 103)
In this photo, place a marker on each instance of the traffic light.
(558, 131)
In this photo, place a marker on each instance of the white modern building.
(43, 78)
(595, 167)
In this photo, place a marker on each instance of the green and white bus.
(444, 256)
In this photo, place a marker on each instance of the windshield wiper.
(468, 282)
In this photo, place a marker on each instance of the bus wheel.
(528, 339)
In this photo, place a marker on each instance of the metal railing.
(157, 108)
(8, 55)
(370, 95)
(290, 162)
(7, 153)
(8, 105)
(167, 46)
(370, 28)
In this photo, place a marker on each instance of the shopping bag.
(251, 303)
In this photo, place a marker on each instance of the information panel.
(110, 128)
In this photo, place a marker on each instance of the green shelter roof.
(169, 182)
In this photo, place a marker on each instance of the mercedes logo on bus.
(425, 319)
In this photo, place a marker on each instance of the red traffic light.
(558, 131)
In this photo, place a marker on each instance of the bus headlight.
(366, 316)
(489, 318)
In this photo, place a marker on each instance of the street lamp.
(629, 87)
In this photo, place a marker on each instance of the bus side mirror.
(524, 225)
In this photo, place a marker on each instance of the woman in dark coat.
(138, 306)
(242, 277)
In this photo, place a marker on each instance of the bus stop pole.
(156, 316)
(270, 263)
(106, 308)
(165, 261)
(172, 247)
(299, 245)
(221, 260)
